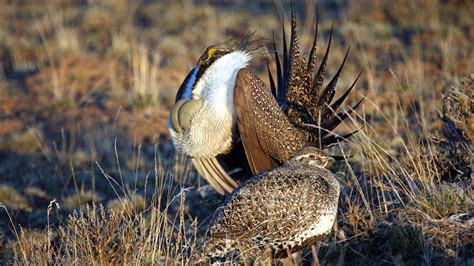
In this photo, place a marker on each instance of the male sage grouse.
(278, 212)
(222, 109)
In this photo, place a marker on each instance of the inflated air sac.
(182, 113)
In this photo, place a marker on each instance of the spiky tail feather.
(298, 89)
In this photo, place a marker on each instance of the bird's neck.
(216, 86)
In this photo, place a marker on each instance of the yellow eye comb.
(211, 52)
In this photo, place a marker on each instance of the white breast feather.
(322, 226)
(210, 132)
(216, 86)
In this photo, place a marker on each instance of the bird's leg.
(297, 258)
(314, 251)
(288, 261)
(292, 259)
(269, 261)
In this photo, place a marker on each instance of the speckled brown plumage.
(296, 69)
(262, 125)
(278, 212)
(299, 89)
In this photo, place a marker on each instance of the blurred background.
(86, 87)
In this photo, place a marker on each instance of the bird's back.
(280, 209)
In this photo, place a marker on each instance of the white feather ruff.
(210, 131)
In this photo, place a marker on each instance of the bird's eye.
(312, 156)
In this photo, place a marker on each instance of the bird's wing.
(266, 132)
(214, 174)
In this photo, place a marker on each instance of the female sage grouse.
(278, 212)
(220, 93)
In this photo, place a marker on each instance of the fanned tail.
(295, 65)
(299, 88)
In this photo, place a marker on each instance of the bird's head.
(203, 67)
(313, 157)
(218, 63)
(211, 81)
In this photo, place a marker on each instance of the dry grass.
(85, 89)
(129, 230)
(415, 188)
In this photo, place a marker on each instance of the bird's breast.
(208, 135)
(208, 132)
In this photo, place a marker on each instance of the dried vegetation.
(88, 176)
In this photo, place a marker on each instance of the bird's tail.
(299, 88)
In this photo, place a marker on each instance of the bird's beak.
(330, 162)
